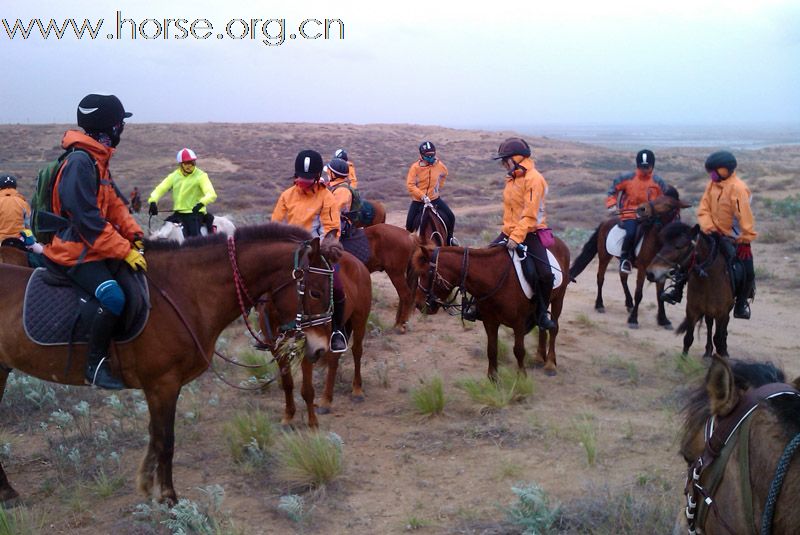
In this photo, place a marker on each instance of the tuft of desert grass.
(428, 399)
(510, 386)
(309, 458)
(249, 434)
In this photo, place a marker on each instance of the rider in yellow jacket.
(725, 209)
(523, 218)
(191, 193)
(310, 205)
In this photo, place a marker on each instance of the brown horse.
(709, 291)
(653, 216)
(358, 294)
(378, 217)
(738, 425)
(432, 229)
(391, 248)
(13, 256)
(194, 290)
(489, 276)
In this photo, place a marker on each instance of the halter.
(720, 435)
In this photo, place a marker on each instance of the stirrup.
(100, 376)
(341, 347)
(625, 266)
(454, 242)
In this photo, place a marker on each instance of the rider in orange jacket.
(15, 212)
(351, 168)
(626, 193)
(310, 205)
(424, 182)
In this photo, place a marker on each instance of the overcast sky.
(452, 63)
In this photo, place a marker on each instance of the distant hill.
(250, 164)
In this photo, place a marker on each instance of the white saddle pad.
(526, 287)
(614, 241)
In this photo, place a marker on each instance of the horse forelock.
(265, 232)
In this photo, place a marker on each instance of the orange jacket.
(725, 208)
(341, 195)
(100, 225)
(636, 189)
(15, 213)
(523, 201)
(314, 210)
(352, 174)
(426, 179)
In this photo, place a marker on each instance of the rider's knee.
(111, 296)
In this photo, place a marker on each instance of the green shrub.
(309, 458)
(532, 512)
(428, 399)
(510, 386)
(249, 436)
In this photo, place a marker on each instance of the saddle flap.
(558, 277)
(614, 241)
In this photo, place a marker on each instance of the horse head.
(678, 241)
(726, 404)
(662, 210)
(431, 288)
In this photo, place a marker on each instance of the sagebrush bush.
(533, 511)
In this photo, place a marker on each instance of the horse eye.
(315, 294)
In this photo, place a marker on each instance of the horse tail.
(684, 326)
(587, 253)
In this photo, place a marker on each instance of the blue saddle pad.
(355, 241)
(56, 313)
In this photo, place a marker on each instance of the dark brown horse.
(709, 292)
(489, 276)
(194, 297)
(358, 293)
(653, 216)
(432, 229)
(738, 425)
(391, 248)
(378, 217)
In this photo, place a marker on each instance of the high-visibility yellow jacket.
(315, 210)
(725, 208)
(15, 213)
(187, 190)
(426, 179)
(523, 201)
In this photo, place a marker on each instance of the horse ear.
(331, 248)
(721, 387)
(421, 258)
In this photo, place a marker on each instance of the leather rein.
(719, 433)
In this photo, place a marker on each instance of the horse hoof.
(10, 500)
(538, 364)
(600, 310)
(357, 399)
(633, 325)
(550, 373)
(322, 410)
(667, 325)
(400, 329)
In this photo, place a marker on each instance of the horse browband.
(718, 432)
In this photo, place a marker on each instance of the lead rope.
(777, 483)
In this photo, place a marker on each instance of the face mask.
(304, 183)
(116, 133)
(715, 176)
(429, 159)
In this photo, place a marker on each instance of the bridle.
(435, 213)
(449, 304)
(720, 436)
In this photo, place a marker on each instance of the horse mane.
(263, 232)
(674, 230)
(747, 374)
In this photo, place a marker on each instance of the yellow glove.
(136, 260)
(138, 242)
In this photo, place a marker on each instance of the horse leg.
(406, 302)
(287, 383)
(688, 337)
(8, 496)
(324, 406)
(721, 336)
(663, 321)
(623, 279)
(555, 312)
(709, 337)
(491, 348)
(519, 349)
(307, 391)
(161, 400)
(359, 330)
(541, 350)
(603, 260)
(633, 317)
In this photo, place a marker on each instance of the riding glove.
(744, 251)
(153, 208)
(136, 260)
(197, 208)
(138, 242)
(511, 245)
(426, 199)
(27, 237)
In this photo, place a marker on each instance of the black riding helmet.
(308, 164)
(427, 147)
(339, 167)
(513, 146)
(8, 181)
(719, 159)
(341, 153)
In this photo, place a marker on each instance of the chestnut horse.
(358, 294)
(432, 229)
(489, 276)
(709, 293)
(391, 248)
(653, 216)
(13, 255)
(194, 290)
(735, 436)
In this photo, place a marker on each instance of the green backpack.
(44, 223)
(356, 203)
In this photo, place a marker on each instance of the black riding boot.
(98, 371)
(674, 294)
(542, 291)
(338, 338)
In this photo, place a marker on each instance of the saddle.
(736, 269)
(558, 277)
(57, 313)
(617, 235)
(355, 241)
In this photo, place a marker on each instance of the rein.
(720, 435)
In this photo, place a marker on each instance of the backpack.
(356, 203)
(44, 223)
